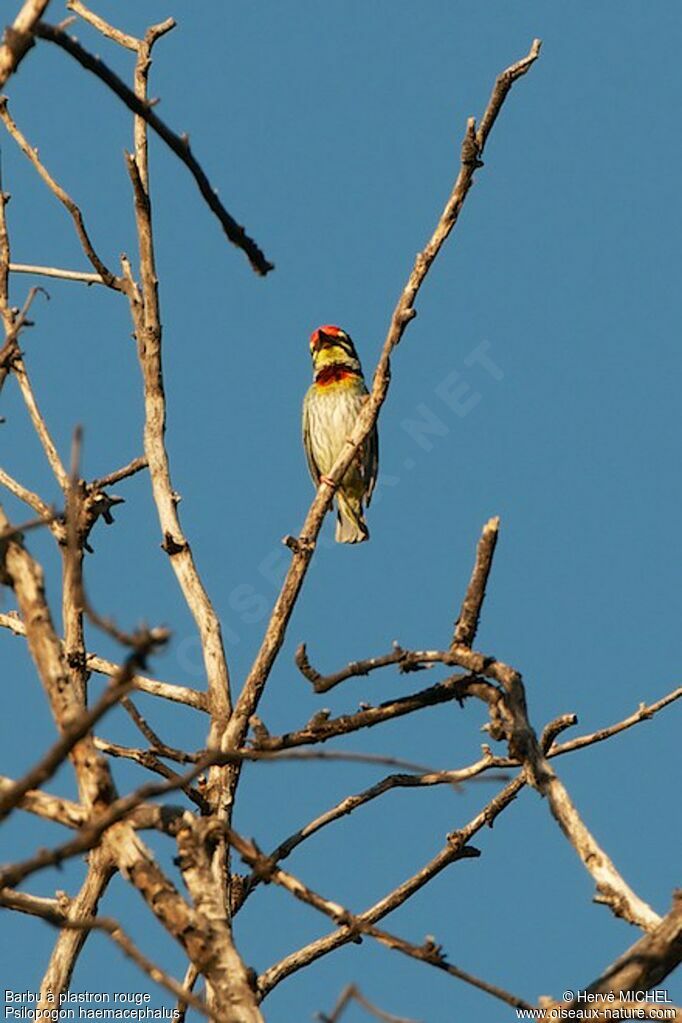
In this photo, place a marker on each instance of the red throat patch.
(334, 374)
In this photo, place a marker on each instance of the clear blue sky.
(333, 132)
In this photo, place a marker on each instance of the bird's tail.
(350, 524)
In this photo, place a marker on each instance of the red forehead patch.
(329, 329)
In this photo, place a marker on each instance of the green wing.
(307, 446)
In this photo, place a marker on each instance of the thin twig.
(6, 312)
(14, 324)
(133, 467)
(56, 755)
(406, 660)
(643, 713)
(150, 760)
(467, 623)
(10, 532)
(53, 913)
(142, 723)
(15, 362)
(353, 993)
(109, 31)
(154, 687)
(57, 272)
(69, 944)
(39, 423)
(320, 728)
(191, 977)
(64, 198)
(24, 494)
(46, 805)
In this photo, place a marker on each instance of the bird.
(330, 410)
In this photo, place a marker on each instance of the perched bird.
(330, 410)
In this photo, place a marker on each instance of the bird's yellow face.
(331, 346)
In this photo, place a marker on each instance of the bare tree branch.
(19, 570)
(64, 198)
(467, 623)
(56, 755)
(70, 942)
(154, 687)
(10, 532)
(5, 310)
(150, 760)
(18, 38)
(178, 144)
(358, 925)
(137, 465)
(229, 982)
(145, 314)
(47, 806)
(57, 272)
(406, 660)
(147, 323)
(109, 31)
(71, 919)
(320, 728)
(643, 713)
(353, 993)
(38, 421)
(73, 815)
(646, 963)
(24, 494)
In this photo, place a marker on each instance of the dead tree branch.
(18, 38)
(467, 623)
(64, 198)
(457, 847)
(176, 143)
(154, 687)
(83, 276)
(70, 919)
